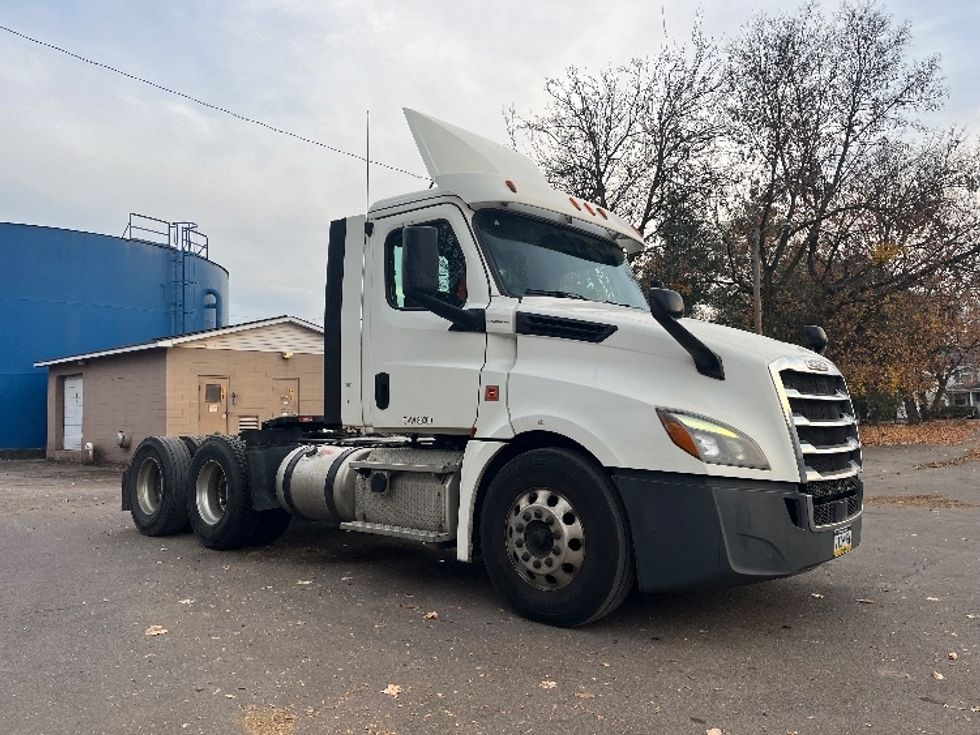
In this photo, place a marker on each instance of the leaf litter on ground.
(941, 432)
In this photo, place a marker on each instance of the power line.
(203, 103)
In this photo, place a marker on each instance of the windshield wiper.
(557, 294)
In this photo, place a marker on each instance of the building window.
(212, 393)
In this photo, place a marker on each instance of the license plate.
(842, 541)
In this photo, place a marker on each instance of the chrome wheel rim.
(211, 493)
(149, 486)
(545, 539)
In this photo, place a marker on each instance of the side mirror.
(420, 258)
(814, 338)
(420, 280)
(667, 301)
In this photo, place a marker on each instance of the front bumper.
(693, 531)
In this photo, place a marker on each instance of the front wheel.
(555, 538)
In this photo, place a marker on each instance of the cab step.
(385, 529)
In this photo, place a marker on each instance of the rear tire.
(193, 443)
(155, 485)
(219, 501)
(555, 538)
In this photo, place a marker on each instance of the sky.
(81, 147)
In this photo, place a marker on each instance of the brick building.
(216, 381)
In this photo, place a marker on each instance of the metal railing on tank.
(183, 239)
(182, 236)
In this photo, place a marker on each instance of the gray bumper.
(692, 531)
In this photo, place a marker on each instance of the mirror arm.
(707, 362)
(464, 320)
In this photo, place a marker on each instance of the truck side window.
(452, 267)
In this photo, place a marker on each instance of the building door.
(286, 396)
(73, 413)
(212, 402)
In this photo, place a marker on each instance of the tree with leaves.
(850, 199)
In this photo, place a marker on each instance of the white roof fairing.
(477, 170)
(447, 149)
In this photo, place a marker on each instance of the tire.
(219, 503)
(272, 524)
(155, 485)
(193, 443)
(549, 500)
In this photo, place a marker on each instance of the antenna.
(367, 161)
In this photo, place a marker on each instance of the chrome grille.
(821, 418)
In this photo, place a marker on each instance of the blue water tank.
(64, 292)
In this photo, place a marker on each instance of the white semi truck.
(497, 381)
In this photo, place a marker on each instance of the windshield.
(537, 258)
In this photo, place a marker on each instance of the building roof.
(185, 339)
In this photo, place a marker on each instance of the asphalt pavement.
(330, 632)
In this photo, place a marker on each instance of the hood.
(638, 331)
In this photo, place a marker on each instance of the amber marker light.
(679, 434)
(575, 204)
(588, 208)
(511, 185)
(602, 212)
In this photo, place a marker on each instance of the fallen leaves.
(432, 615)
(268, 721)
(940, 432)
(547, 684)
(972, 455)
(933, 599)
(155, 630)
(584, 695)
(865, 601)
(952, 655)
(937, 676)
(714, 731)
(933, 502)
(816, 595)
(303, 582)
(185, 601)
(392, 690)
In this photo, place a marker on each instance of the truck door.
(419, 375)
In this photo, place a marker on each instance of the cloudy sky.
(81, 147)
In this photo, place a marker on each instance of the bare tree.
(638, 139)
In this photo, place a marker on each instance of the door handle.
(382, 390)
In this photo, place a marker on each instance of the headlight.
(712, 441)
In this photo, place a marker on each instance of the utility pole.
(756, 279)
